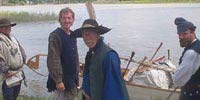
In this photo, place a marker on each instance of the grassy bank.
(24, 97)
(28, 17)
(31, 98)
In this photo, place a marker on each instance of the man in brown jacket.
(62, 60)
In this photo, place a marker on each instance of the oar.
(156, 52)
(131, 73)
(132, 54)
(90, 9)
(149, 65)
(139, 65)
(171, 93)
(168, 54)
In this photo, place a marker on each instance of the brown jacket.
(53, 59)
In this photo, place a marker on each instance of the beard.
(184, 42)
(90, 44)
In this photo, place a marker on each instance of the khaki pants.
(66, 95)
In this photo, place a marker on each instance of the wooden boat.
(142, 92)
(136, 91)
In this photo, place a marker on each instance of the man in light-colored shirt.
(12, 59)
(187, 75)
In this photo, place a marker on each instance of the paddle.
(132, 54)
(171, 93)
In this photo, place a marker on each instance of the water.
(140, 28)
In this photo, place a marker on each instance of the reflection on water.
(134, 28)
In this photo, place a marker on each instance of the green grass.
(144, 1)
(33, 98)
(28, 17)
(23, 97)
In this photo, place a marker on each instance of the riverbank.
(34, 13)
(56, 7)
(33, 2)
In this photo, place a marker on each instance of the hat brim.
(14, 24)
(5, 25)
(101, 29)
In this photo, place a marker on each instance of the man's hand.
(60, 86)
(10, 73)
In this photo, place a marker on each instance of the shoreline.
(48, 8)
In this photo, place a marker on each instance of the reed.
(28, 17)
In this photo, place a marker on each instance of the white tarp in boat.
(153, 77)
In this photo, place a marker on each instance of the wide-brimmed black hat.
(6, 22)
(90, 24)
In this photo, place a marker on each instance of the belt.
(191, 93)
(15, 68)
(191, 89)
(192, 86)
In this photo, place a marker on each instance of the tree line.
(25, 2)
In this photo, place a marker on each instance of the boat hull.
(141, 92)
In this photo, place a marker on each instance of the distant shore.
(44, 8)
(49, 12)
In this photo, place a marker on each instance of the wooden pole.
(168, 54)
(132, 72)
(171, 93)
(156, 52)
(90, 9)
(147, 64)
(132, 54)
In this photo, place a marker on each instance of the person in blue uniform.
(102, 77)
(187, 74)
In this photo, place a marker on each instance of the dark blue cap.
(183, 25)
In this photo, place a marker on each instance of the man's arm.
(3, 67)
(53, 58)
(23, 53)
(114, 84)
(190, 64)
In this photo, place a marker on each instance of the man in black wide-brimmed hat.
(102, 78)
(12, 59)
